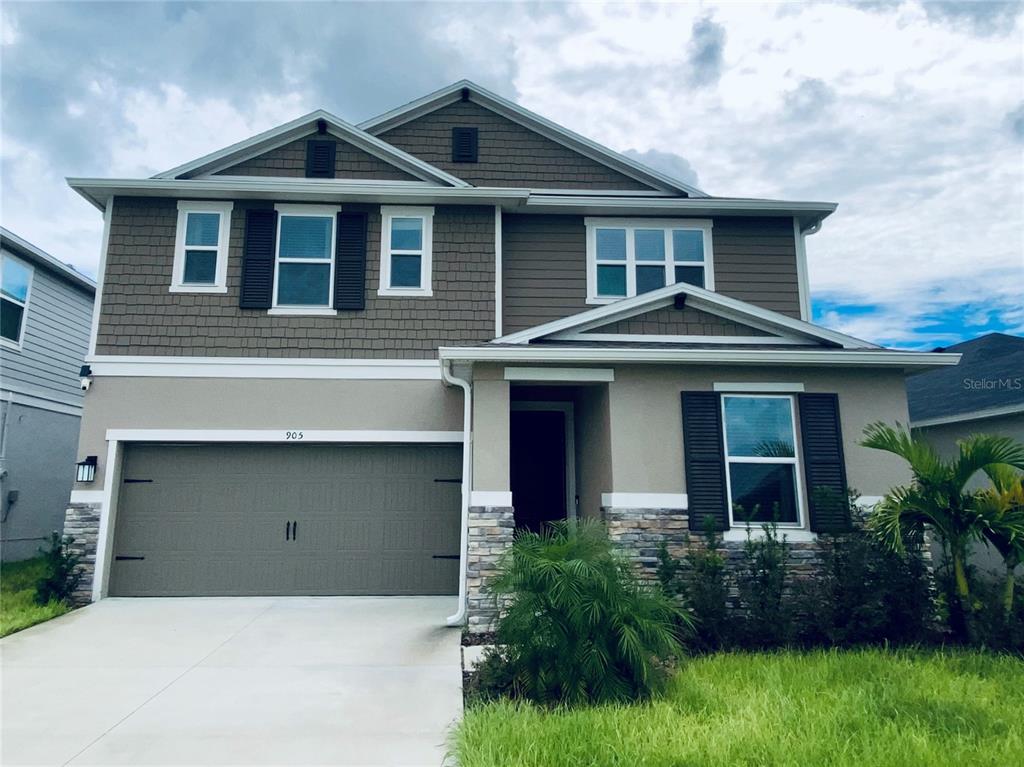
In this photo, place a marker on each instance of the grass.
(857, 707)
(18, 609)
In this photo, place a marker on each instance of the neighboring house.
(984, 394)
(309, 341)
(45, 307)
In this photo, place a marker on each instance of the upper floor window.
(201, 247)
(304, 270)
(15, 286)
(627, 257)
(761, 459)
(405, 251)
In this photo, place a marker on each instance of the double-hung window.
(304, 269)
(15, 286)
(405, 251)
(627, 257)
(762, 467)
(201, 247)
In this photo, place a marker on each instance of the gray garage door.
(197, 520)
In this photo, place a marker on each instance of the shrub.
(491, 679)
(577, 625)
(762, 580)
(60, 574)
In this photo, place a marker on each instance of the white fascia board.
(974, 415)
(748, 386)
(816, 357)
(665, 339)
(294, 435)
(570, 375)
(261, 367)
(533, 121)
(40, 257)
(493, 498)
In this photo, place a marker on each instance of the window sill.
(793, 535)
(405, 293)
(6, 343)
(296, 311)
(596, 301)
(198, 289)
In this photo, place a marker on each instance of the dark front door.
(537, 444)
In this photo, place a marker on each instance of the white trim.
(7, 342)
(329, 212)
(108, 513)
(645, 500)
(559, 374)
(87, 496)
(499, 303)
(40, 403)
(220, 281)
(426, 216)
(881, 358)
(631, 263)
(502, 498)
(260, 367)
(715, 340)
(792, 534)
(289, 435)
(94, 328)
(568, 411)
(974, 415)
(746, 386)
(803, 284)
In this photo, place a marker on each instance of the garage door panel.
(211, 520)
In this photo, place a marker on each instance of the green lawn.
(18, 609)
(859, 708)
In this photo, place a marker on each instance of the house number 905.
(293, 435)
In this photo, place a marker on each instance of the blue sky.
(908, 114)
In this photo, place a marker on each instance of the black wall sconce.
(86, 469)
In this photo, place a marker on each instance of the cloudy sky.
(910, 115)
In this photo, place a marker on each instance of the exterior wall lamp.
(86, 469)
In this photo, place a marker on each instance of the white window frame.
(220, 284)
(594, 223)
(795, 462)
(24, 305)
(426, 214)
(319, 211)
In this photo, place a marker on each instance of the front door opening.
(541, 475)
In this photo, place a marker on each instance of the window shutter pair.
(258, 260)
(822, 454)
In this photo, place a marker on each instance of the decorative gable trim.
(300, 128)
(534, 122)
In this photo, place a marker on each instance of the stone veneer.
(490, 535)
(82, 522)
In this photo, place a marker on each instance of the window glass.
(202, 229)
(407, 234)
(687, 245)
(650, 246)
(10, 320)
(16, 277)
(305, 237)
(405, 271)
(763, 492)
(303, 284)
(649, 278)
(759, 427)
(611, 280)
(200, 267)
(611, 244)
(691, 275)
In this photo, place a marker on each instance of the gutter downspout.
(459, 617)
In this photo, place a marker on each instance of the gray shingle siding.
(544, 266)
(669, 321)
(140, 317)
(290, 161)
(509, 154)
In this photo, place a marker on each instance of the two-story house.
(45, 307)
(352, 359)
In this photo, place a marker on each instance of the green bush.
(491, 679)
(767, 617)
(576, 624)
(60, 574)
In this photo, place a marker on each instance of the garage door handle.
(446, 556)
(295, 531)
(120, 558)
(287, 531)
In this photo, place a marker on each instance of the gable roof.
(303, 126)
(787, 329)
(28, 251)
(987, 382)
(533, 121)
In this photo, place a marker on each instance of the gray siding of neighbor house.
(544, 266)
(55, 340)
(509, 153)
(140, 317)
(669, 321)
(290, 160)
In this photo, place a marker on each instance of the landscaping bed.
(828, 707)
(18, 608)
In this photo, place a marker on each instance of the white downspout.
(459, 617)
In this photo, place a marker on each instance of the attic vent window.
(320, 158)
(464, 144)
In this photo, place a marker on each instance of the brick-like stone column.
(490, 535)
(82, 522)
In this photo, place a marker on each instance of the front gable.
(669, 321)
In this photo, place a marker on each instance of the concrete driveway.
(311, 681)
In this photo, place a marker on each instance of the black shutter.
(320, 158)
(258, 259)
(350, 262)
(705, 459)
(824, 466)
(464, 144)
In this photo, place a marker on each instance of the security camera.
(85, 383)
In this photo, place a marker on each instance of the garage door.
(195, 520)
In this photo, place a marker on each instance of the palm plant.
(938, 498)
(577, 624)
(1002, 508)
